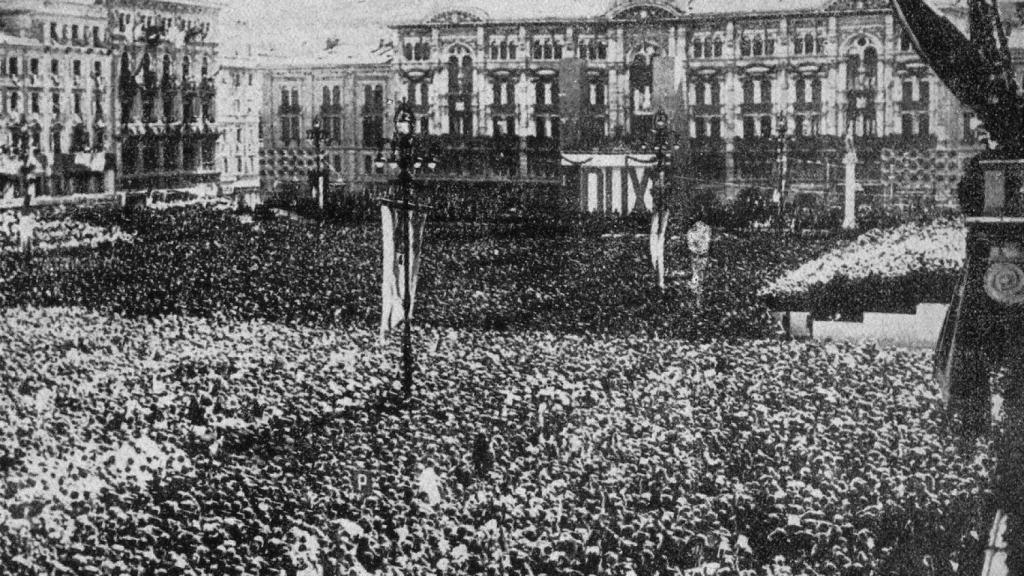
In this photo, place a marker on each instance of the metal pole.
(406, 183)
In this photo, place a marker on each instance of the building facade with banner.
(165, 67)
(55, 99)
(347, 90)
(566, 94)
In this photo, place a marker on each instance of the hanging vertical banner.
(393, 220)
(659, 225)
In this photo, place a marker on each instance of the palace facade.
(239, 101)
(509, 91)
(55, 98)
(164, 56)
(345, 90)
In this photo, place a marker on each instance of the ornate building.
(239, 100)
(344, 89)
(507, 91)
(55, 97)
(165, 109)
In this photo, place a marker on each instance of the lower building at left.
(55, 100)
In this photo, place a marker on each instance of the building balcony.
(163, 179)
(545, 108)
(706, 109)
(913, 106)
(758, 108)
(807, 106)
(503, 109)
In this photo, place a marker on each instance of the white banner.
(614, 183)
(394, 255)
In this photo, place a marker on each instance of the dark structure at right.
(982, 335)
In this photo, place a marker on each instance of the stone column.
(850, 191)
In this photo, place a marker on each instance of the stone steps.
(918, 330)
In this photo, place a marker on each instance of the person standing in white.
(698, 240)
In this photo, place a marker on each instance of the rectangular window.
(97, 69)
(78, 102)
(766, 91)
(748, 127)
(284, 97)
(12, 66)
(33, 66)
(53, 31)
(56, 103)
(907, 124)
(923, 128)
(801, 90)
(35, 102)
(77, 67)
(716, 127)
(368, 166)
(74, 32)
(55, 66)
(908, 91)
(924, 91)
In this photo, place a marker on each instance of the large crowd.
(227, 419)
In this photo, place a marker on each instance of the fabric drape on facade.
(393, 220)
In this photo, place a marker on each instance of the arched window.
(558, 50)
(205, 69)
(718, 47)
(798, 45)
(757, 46)
(167, 67)
(769, 46)
(716, 92)
(407, 51)
(698, 48)
(186, 70)
(512, 50)
(744, 46)
(503, 50)
(494, 50)
(424, 91)
(336, 100)
(537, 50)
(326, 97)
(870, 62)
(549, 51)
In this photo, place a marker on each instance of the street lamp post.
(782, 162)
(406, 159)
(316, 134)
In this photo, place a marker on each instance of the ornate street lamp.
(407, 159)
(316, 134)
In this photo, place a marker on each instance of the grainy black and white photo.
(511, 287)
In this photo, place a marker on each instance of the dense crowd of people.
(208, 263)
(205, 400)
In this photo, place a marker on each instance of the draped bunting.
(393, 219)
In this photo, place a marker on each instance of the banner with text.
(614, 183)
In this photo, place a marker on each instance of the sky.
(299, 26)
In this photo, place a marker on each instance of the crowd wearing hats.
(206, 400)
